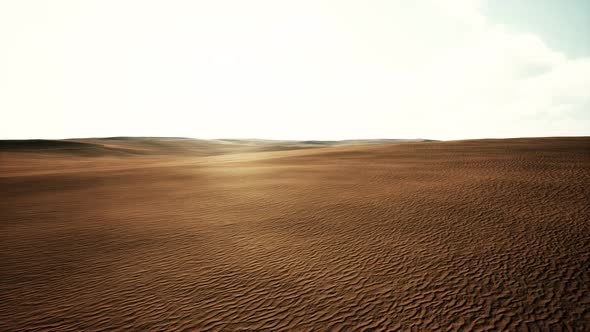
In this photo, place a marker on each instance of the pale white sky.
(278, 69)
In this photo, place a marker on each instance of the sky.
(317, 69)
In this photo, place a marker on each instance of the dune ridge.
(475, 235)
(172, 145)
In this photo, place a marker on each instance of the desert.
(174, 234)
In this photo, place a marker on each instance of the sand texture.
(185, 235)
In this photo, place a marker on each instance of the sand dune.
(155, 146)
(189, 235)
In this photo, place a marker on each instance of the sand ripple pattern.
(480, 235)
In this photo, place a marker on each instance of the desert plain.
(173, 234)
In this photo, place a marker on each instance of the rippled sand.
(464, 235)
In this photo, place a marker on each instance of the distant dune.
(177, 234)
(172, 145)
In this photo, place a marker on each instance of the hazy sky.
(442, 69)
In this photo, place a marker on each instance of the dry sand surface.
(175, 234)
